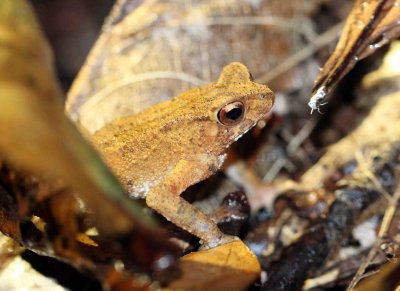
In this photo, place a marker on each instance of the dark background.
(71, 27)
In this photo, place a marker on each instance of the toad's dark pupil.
(234, 113)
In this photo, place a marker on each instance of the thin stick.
(387, 220)
(293, 145)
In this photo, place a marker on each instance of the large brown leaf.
(152, 50)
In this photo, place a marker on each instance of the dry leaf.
(370, 25)
(228, 267)
(386, 274)
(37, 137)
(151, 51)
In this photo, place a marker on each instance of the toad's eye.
(231, 114)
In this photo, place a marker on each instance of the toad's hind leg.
(165, 199)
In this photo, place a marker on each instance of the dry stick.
(293, 145)
(292, 24)
(364, 166)
(320, 41)
(387, 220)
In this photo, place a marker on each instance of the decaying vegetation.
(313, 198)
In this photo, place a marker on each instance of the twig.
(387, 220)
(293, 145)
(364, 166)
(292, 24)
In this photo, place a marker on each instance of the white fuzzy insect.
(316, 100)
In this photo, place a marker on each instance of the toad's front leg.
(165, 199)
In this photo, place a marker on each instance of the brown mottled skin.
(161, 151)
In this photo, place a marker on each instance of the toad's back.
(143, 148)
